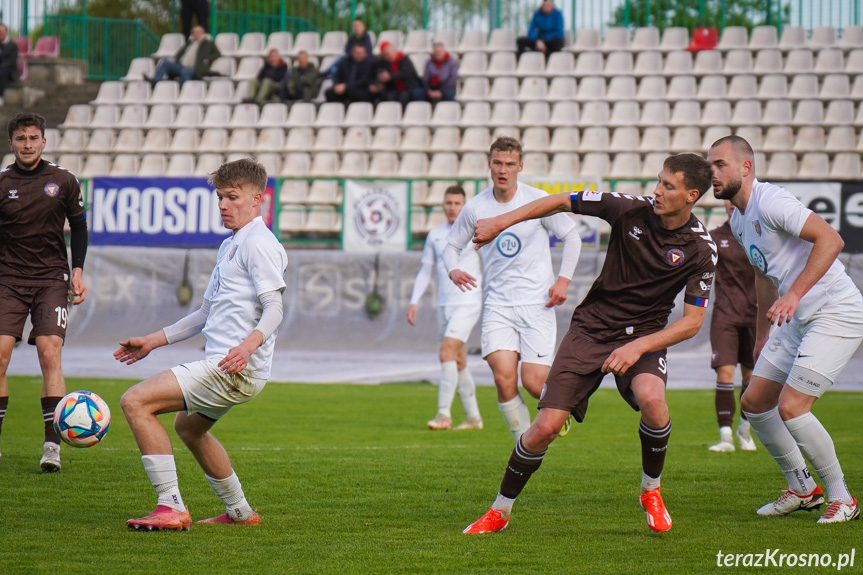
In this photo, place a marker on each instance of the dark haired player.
(36, 199)
(656, 248)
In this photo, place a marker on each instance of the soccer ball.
(82, 419)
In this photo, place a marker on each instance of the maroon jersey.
(735, 301)
(645, 268)
(34, 207)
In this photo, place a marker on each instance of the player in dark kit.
(656, 248)
(732, 333)
(36, 199)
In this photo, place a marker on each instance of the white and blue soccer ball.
(82, 418)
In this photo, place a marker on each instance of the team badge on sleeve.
(591, 196)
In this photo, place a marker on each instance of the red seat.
(47, 47)
(704, 39)
(23, 45)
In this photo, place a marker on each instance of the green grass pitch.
(348, 480)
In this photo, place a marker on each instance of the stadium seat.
(282, 42)
(95, 165)
(707, 62)
(224, 66)
(271, 161)
(829, 61)
(624, 113)
(677, 63)
(153, 141)
(472, 41)
(823, 37)
(703, 39)
(561, 88)
(852, 38)
(763, 37)
(419, 60)
(185, 140)
(767, 61)
(846, 166)
(445, 139)
(567, 140)
(415, 165)
(505, 115)
(208, 163)
(839, 113)
(301, 114)
(323, 220)
(248, 68)
(72, 162)
(387, 114)
(618, 64)
(418, 41)
(799, 61)
(746, 113)
(781, 167)
(773, 87)
(536, 138)
(535, 165)
(138, 68)
(778, 139)
(324, 164)
(101, 141)
(417, 114)
(358, 114)
(563, 165)
(624, 139)
(685, 139)
(300, 138)
(534, 114)
(655, 139)
(809, 139)
(835, 87)
(501, 40)
(596, 165)
(191, 116)
(615, 39)
(106, 116)
(529, 64)
(109, 93)
(716, 112)
(383, 165)
(685, 113)
(475, 139)
(449, 39)
(737, 61)
(161, 116)
(648, 64)
(165, 92)
(296, 164)
(854, 62)
(683, 87)
(220, 91)
(73, 140)
(137, 92)
(169, 45)
(242, 140)
(473, 64)
(273, 115)
(357, 138)
(180, 165)
(270, 140)
(329, 114)
(394, 37)
(565, 114)
(328, 139)
(446, 114)
(645, 38)
(442, 163)
(473, 165)
(46, 47)
(589, 64)
(808, 113)
(130, 141)
(291, 221)
(476, 114)
(751, 134)
(674, 38)
(227, 43)
(655, 113)
(327, 193)
(814, 166)
(125, 165)
(213, 140)
(78, 116)
(586, 40)
(793, 37)
(840, 139)
(591, 88)
(777, 112)
(506, 131)
(52, 140)
(23, 43)
(651, 164)
(713, 87)
(502, 64)
(532, 89)
(153, 165)
(621, 88)
(244, 115)
(474, 89)
(386, 139)
(742, 87)
(333, 43)
(416, 139)
(733, 37)
(560, 64)
(252, 44)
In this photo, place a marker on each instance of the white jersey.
(769, 231)
(517, 266)
(448, 294)
(250, 263)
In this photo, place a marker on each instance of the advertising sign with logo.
(167, 212)
(375, 218)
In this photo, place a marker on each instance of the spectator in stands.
(192, 61)
(262, 88)
(198, 8)
(545, 33)
(301, 82)
(354, 80)
(8, 60)
(398, 76)
(440, 75)
(360, 36)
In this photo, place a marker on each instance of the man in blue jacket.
(545, 33)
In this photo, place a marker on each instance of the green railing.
(106, 45)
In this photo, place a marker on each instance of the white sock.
(230, 492)
(649, 483)
(162, 471)
(817, 447)
(448, 383)
(779, 442)
(743, 428)
(503, 504)
(725, 434)
(516, 415)
(467, 393)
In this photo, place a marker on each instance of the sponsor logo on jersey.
(704, 286)
(508, 245)
(757, 225)
(52, 189)
(232, 253)
(591, 196)
(635, 232)
(13, 194)
(757, 258)
(707, 275)
(674, 257)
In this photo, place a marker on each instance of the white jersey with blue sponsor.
(447, 292)
(251, 262)
(517, 265)
(769, 232)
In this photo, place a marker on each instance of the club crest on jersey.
(13, 194)
(508, 245)
(674, 257)
(52, 189)
(232, 253)
(757, 225)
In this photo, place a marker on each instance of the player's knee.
(653, 407)
(544, 433)
(49, 358)
(128, 403)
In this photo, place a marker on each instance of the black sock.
(522, 464)
(4, 403)
(654, 443)
(724, 402)
(49, 404)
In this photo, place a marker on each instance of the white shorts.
(530, 330)
(208, 391)
(457, 321)
(824, 344)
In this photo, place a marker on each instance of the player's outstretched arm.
(137, 348)
(488, 229)
(827, 244)
(624, 357)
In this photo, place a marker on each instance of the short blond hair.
(243, 173)
(506, 144)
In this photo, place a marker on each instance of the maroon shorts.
(48, 307)
(576, 374)
(731, 344)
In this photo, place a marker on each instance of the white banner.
(376, 216)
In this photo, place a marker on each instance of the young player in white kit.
(241, 309)
(819, 313)
(518, 321)
(457, 313)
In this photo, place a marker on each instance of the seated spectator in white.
(192, 62)
(301, 82)
(398, 77)
(262, 88)
(8, 60)
(545, 33)
(440, 76)
(354, 80)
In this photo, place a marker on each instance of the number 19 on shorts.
(62, 316)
